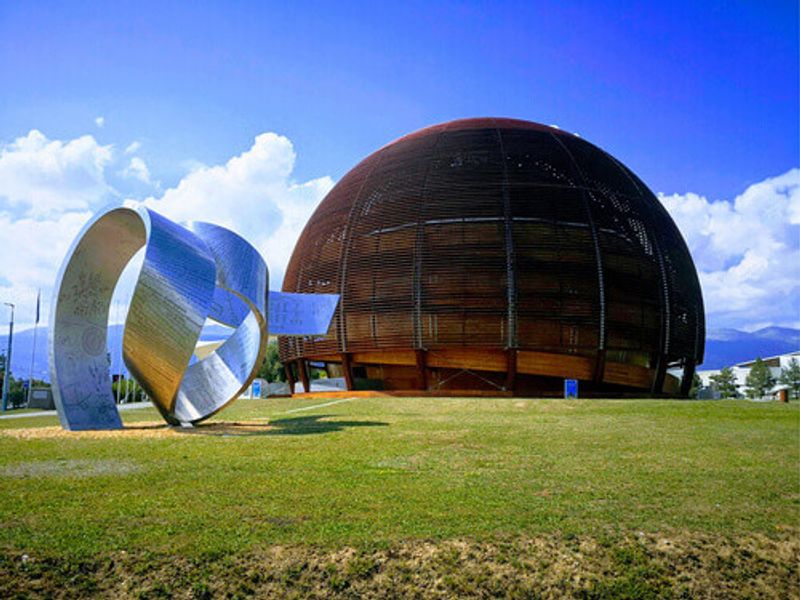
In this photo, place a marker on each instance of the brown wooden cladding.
(497, 234)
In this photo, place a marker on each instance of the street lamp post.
(7, 374)
(33, 352)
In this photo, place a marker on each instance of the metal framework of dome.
(498, 256)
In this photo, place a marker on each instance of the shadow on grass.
(315, 424)
(310, 425)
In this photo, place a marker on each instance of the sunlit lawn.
(385, 469)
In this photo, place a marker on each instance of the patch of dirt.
(400, 463)
(150, 429)
(70, 469)
(630, 566)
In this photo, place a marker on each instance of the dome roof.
(499, 234)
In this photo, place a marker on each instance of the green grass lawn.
(372, 475)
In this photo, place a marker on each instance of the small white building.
(742, 370)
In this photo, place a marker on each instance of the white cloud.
(253, 194)
(50, 188)
(100, 121)
(31, 257)
(137, 169)
(41, 177)
(747, 252)
(133, 147)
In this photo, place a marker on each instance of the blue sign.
(256, 389)
(570, 388)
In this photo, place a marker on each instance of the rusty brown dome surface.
(498, 254)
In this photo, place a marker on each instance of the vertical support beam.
(661, 373)
(417, 279)
(664, 342)
(344, 260)
(303, 368)
(688, 375)
(598, 255)
(511, 260)
(287, 367)
(600, 367)
(419, 247)
(511, 369)
(422, 371)
(347, 367)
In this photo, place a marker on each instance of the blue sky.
(698, 96)
(700, 99)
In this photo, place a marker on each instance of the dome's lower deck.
(520, 372)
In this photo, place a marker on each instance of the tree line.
(758, 382)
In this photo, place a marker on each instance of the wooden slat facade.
(466, 243)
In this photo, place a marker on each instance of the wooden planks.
(554, 365)
(629, 375)
(511, 362)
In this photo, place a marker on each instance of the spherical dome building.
(498, 256)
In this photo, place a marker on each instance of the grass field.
(403, 496)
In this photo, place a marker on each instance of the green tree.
(759, 379)
(725, 382)
(129, 390)
(790, 375)
(272, 367)
(17, 391)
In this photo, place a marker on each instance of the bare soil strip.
(632, 566)
(149, 429)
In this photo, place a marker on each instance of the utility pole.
(119, 371)
(7, 374)
(33, 352)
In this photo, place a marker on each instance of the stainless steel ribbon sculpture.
(188, 274)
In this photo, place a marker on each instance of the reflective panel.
(301, 314)
(79, 318)
(188, 275)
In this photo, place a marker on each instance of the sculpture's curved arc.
(168, 309)
(172, 297)
(227, 308)
(222, 376)
(79, 366)
(187, 275)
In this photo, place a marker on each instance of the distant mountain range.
(23, 346)
(724, 347)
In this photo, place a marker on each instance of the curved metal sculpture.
(188, 274)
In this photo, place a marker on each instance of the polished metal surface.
(209, 384)
(79, 367)
(300, 314)
(188, 275)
